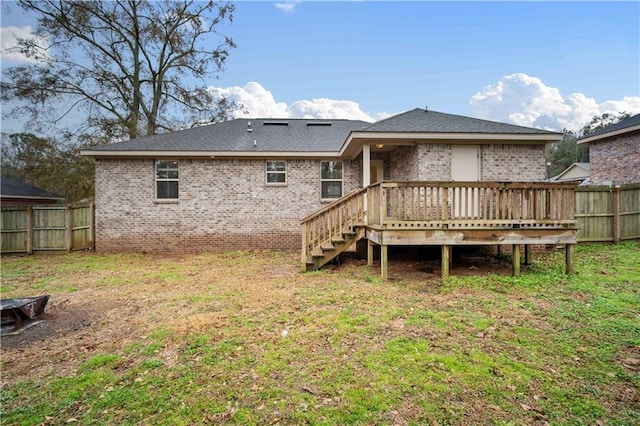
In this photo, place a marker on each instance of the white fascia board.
(610, 134)
(207, 154)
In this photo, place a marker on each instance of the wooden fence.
(608, 214)
(40, 228)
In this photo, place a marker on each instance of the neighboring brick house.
(246, 183)
(14, 192)
(614, 153)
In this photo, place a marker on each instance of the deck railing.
(439, 205)
(470, 204)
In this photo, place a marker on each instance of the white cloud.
(288, 6)
(328, 109)
(258, 102)
(9, 43)
(525, 100)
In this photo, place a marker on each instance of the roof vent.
(275, 123)
(318, 123)
(249, 129)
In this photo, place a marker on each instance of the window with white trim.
(276, 172)
(167, 179)
(331, 179)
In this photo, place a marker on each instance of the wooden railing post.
(383, 204)
(445, 203)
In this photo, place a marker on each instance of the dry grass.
(194, 339)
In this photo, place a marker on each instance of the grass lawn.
(243, 338)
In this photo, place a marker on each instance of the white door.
(465, 163)
(465, 167)
(377, 171)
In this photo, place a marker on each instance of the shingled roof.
(245, 136)
(421, 120)
(13, 188)
(627, 125)
(249, 135)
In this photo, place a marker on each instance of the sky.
(550, 65)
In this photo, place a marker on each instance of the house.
(577, 172)
(248, 183)
(14, 192)
(614, 153)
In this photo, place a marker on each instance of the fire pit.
(17, 311)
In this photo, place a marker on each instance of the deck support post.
(569, 252)
(383, 262)
(369, 253)
(303, 257)
(499, 251)
(445, 261)
(527, 254)
(516, 260)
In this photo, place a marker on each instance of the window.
(167, 180)
(331, 179)
(276, 172)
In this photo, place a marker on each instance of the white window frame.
(341, 180)
(156, 163)
(280, 172)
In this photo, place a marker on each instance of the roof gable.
(424, 121)
(576, 171)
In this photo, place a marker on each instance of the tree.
(40, 162)
(599, 122)
(134, 67)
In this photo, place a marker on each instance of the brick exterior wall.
(512, 163)
(499, 162)
(227, 205)
(223, 205)
(615, 160)
(421, 162)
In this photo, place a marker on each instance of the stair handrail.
(331, 205)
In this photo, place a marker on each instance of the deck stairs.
(333, 230)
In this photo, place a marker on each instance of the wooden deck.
(445, 214)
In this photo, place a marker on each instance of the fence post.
(29, 230)
(69, 228)
(92, 226)
(616, 214)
